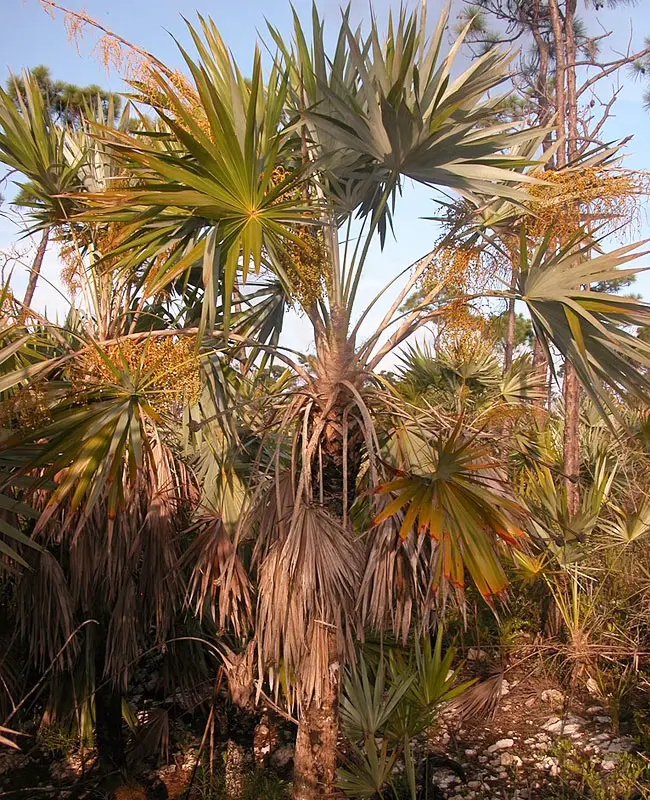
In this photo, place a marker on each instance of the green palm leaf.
(590, 329)
(36, 148)
(456, 495)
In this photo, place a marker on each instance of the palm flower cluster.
(102, 239)
(26, 409)
(165, 370)
(457, 266)
(463, 269)
(147, 78)
(568, 199)
(303, 259)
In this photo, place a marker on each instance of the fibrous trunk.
(36, 269)
(315, 759)
(237, 768)
(108, 719)
(335, 470)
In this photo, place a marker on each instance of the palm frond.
(458, 496)
(590, 329)
(307, 588)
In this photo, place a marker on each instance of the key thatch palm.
(356, 507)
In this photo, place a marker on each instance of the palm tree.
(107, 570)
(349, 506)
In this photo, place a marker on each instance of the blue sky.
(29, 37)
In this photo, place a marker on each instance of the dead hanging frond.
(159, 503)
(46, 613)
(393, 586)
(126, 572)
(219, 584)
(122, 635)
(308, 585)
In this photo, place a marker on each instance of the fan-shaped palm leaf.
(457, 495)
(588, 328)
(36, 148)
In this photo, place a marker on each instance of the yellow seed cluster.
(165, 370)
(304, 261)
(462, 268)
(102, 239)
(462, 332)
(27, 409)
(572, 198)
(8, 308)
(144, 74)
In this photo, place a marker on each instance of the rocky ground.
(539, 743)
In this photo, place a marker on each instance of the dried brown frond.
(129, 574)
(391, 586)
(152, 736)
(308, 585)
(481, 700)
(44, 598)
(122, 636)
(219, 581)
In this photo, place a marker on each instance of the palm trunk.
(314, 775)
(237, 769)
(264, 739)
(335, 473)
(111, 752)
(510, 332)
(36, 268)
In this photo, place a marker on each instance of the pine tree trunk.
(572, 439)
(540, 362)
(316, 744)
(510, 336)
(571, 384)
(36, 268)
